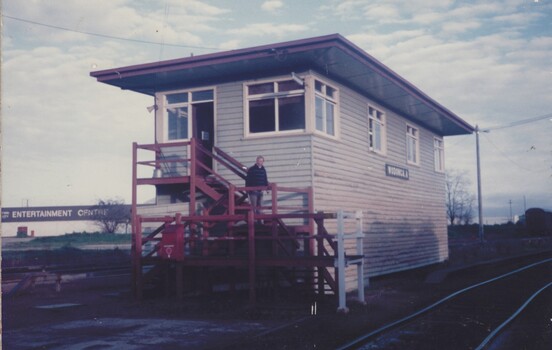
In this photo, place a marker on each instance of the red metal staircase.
(218, 234)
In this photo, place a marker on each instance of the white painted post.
(360, 252)
(341, 263)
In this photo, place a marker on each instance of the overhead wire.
(520, 122)
(166, 16)
(504, 154)
(499, 127)
(105, 35)
(513, 124)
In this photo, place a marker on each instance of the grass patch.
(77, 238)
(65, 256)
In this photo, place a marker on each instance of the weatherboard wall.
(287, 158)
(404, 219)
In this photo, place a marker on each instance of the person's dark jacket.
(256, 177)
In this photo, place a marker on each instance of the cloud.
(167, 23)
(394, 11)
(517, 68)
(382, 13)
(230, 45)
(460, 27)
(58, 120)
(269, 29)
(272, 5)
(493, 78)
(487, 61)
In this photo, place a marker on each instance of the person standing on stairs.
(256, 177)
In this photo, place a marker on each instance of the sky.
(66, 139)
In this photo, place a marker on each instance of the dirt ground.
(100, 313)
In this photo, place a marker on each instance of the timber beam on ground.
(237, 217)
(244, 262)
(163, 181)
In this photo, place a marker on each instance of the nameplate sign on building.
(395, 171)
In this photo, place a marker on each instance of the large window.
(325, 100)
(439, 154)
(276, 106)
(376, 126)
(176, 112)
(412, 145)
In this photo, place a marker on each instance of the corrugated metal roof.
(331, 55)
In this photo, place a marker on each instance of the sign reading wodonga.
(70, 213)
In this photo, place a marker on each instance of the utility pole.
(511, 217)
(479, 199)
(477, 131)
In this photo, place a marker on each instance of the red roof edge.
(269, 49)
(231, 55)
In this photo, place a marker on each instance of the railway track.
(476, 317)
(17, 280)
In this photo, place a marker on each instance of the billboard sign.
(66, 213)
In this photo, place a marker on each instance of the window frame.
(162, 117)
(416, 138)
(439, 154)
(276, 95)
(334, 101)
(383, 130)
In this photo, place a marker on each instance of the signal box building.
(339, 131)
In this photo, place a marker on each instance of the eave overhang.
(331, 55)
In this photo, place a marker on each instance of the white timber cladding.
(287, 156)
(404, 219)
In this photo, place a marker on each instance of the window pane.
(377, 136)
(288, 85)
(291, 113)
(330, 92)
(412, 150)
(261, 88)
(262, 116)
(437, 155)
(318, 86)
(319, 114)
(205, 95)
(329, 118)
(177, 98)
(178, 123)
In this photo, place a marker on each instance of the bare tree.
(459, 200)
(111, 214)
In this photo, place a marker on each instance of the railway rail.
(470, 318)
(17, 280)
(445, 326)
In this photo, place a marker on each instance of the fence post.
(134, 222)
(274, 197)
(341, 263)
(251, 254)
(138, 281)
(193, 171)
(360, 252)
